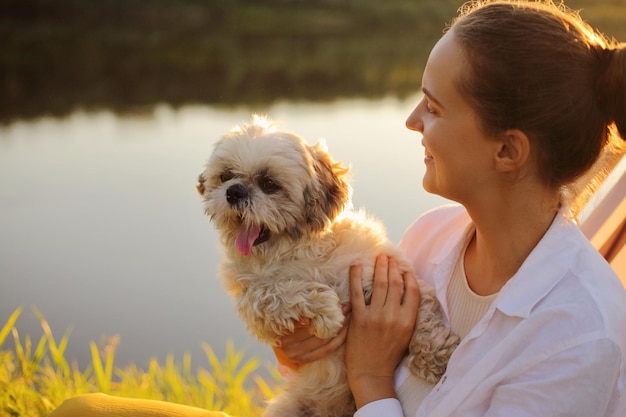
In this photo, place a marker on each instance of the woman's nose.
(414, 121)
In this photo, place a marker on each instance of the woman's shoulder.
(565, 279)
(600, 291)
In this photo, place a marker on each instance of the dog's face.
(263, 186)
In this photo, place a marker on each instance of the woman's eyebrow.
(428, 94)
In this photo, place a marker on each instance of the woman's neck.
(506, 233)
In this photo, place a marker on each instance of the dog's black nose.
(235, 193)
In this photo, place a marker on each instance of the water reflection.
(101, 228)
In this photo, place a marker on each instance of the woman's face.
(459, 155)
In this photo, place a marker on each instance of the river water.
(102, 231)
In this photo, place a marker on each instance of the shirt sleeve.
(580, 381)
(388, 407)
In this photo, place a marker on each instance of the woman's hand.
(301, 347)
(380, 332)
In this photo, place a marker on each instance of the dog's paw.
(433, 341)
(327, 325)
(428, 358)
(323, 308)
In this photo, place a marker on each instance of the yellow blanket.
(100, 405)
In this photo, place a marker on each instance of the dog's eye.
(269, 186)
(226, 176)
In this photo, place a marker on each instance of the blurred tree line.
(60, 55)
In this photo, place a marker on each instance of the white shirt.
(552, 343)
(465, 309)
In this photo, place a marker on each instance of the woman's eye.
(429, 108)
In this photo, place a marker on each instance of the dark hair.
(538, 67)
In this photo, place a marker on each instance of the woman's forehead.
(445, 65)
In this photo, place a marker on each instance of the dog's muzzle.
(236, 194)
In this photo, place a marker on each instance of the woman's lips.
(427, 156)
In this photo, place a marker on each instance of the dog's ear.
(200, 187)
(328, 195)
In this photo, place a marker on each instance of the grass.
(35, 376)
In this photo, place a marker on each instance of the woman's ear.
(513, 151)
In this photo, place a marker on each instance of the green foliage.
(58, 56)
(125, 55)
(35, 378)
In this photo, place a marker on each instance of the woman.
(520, 99)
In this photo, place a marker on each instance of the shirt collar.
(542, 270)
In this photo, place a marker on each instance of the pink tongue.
(245, 239)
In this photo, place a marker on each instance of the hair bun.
(611, 85)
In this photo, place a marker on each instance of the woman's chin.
(429, 185)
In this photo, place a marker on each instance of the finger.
(357, 298)
(299, 335)
(297, 350)
(381, 283)
(412, 293)
(395, 283)
(314, 348)
(301, 331)
(346, 309)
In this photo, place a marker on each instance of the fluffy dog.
(281, 208)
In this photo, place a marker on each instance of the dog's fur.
(282, 210)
